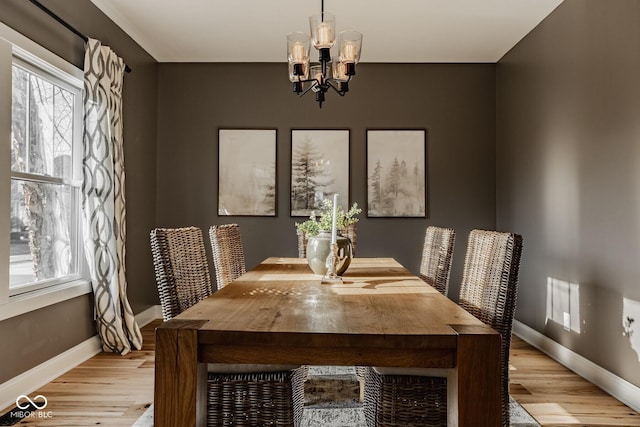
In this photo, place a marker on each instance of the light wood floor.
(113, 390)
(555, 396)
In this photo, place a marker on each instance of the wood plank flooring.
(556, 396)
(106, 390)
(113, 391)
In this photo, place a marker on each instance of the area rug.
(332, 399)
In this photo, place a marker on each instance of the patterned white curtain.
(104, 199)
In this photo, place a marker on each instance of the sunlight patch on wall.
(630, 319)
(563, 303)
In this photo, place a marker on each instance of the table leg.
(475, 390)
(180, 381)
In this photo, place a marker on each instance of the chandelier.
(328, 73)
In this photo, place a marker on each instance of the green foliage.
(314, 224)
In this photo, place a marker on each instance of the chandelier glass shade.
(327, 73)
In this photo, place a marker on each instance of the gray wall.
(39, 335)
(568, 162)
(455, 103)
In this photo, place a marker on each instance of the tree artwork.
(319, 169)
(310, 174)
(396, 173)
(247, 172)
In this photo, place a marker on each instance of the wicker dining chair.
(182, 272)
(437, 252)
(238, 395)
(397, 396)
(434, 267)
(351, 232)
(228, 253)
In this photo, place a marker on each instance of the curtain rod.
(67, 26)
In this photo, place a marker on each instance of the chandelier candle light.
(319, 77)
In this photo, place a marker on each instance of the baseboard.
(149, 315)
(48, 371)
(621, 389)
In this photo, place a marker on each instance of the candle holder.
(332, 265)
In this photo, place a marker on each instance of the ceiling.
(414, 31)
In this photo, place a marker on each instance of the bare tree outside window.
(42, 197)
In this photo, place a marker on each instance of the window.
(45, 189)
(41, 171)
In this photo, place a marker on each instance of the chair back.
(182, 271)
(489, 289)
(350, 232)
(228, 253)
(437, 252)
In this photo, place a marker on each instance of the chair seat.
(400, 398)
(242, 368)
(255, 398)
(418, 372)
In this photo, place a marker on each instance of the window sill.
(30, 301)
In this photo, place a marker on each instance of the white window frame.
(14, 302)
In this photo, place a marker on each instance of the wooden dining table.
(280, 312)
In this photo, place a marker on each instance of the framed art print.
(319, 169)
(247, 172)
(396, 173)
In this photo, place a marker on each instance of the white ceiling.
(394, 31)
